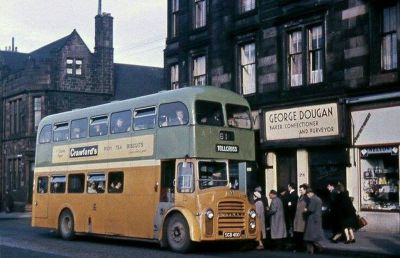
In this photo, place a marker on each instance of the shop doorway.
(326, 165)
(286, 168)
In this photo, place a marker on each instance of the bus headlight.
(210, 214)
(252, 225)
(252, 214)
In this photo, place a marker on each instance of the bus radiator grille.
(231, 215)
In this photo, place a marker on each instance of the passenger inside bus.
(92, 187)
(76, 133)
(99, 129)
(116, 187)
(179, 118)
(120, 126)
(213, 119)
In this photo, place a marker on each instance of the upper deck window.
(79, 128)
(144, 118)
(173, 114)
(61, 132)
(238, 116)
(98, 126)
(121, 122)
(212, 174)
(45, 134)
(209, 113)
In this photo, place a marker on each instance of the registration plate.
(231, 234)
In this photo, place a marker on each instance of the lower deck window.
(57, 184)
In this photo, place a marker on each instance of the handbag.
(361, 222)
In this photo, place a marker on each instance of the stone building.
(322, 78)
(60, 76)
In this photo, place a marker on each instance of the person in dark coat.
(277, 219)
(347, 215)
(334, 211)
(291, 204)
(313, 231)
(299, 223)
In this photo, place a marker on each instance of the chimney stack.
(99, 11)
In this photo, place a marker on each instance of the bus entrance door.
(41, 198)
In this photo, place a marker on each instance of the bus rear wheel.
(178, 236)
(66, 225)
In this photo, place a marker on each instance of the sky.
(140, 26)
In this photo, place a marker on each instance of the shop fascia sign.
(302, 122)
(365, 152)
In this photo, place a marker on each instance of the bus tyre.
(66, 225)
(178, 235)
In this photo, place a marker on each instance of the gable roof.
(132, 81)
(47, 50)
(15, 61)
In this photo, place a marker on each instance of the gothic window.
(248, 68)
(200, 13)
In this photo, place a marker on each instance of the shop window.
(76, 183)
(380, 178)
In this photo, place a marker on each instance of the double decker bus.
(162, 167)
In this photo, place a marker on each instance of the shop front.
(305, 144)
(376, 140)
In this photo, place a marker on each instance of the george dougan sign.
(302, 122)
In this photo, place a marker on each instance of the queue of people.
(294, 220)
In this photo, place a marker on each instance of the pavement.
(368, 244)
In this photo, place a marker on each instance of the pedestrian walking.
(261, 217)
(347, 214)
(299, 223)
(334, 211)
(277, 219)
(313, 232)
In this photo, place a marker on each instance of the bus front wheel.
(66, 225)
(178, 235)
